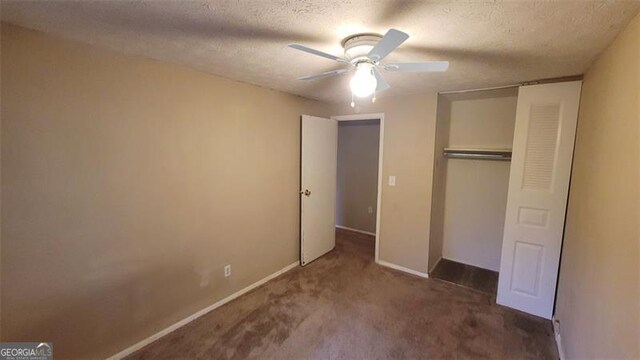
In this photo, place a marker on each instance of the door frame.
(372, 116)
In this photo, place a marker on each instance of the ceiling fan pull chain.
(353, 104)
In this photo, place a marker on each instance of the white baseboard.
(355, 230)
(139, 345)
(434, 265)
(556, 332)
(403, 269)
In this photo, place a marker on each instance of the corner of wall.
(443, 113)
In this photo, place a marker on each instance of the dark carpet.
(344, 306)
(466, 275)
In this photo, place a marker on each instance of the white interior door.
(319, 164)
(538, 187)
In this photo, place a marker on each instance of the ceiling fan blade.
(427, 66)
(325, 74)
(382, 83)
(391, 40)
(318, 53)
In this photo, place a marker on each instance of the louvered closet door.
(538, 187)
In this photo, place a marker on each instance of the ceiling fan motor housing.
(357, 47)
(364, 51)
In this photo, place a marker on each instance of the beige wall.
(357, 174)
(476, 190)
(408, 144)
(128, 184)
(483, 119)
(443, 115)
(0, 185)
(598, 302)
(475, 207)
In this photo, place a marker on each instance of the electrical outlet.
(227, 271)
(392, 180)
(370, 210)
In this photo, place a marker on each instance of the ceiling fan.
(363, 52)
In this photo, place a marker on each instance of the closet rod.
(479, 154)
(452, 92)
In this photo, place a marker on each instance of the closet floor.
(465, 275)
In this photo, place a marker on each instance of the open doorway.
(319, 182)
(357, 183)
(359, 179)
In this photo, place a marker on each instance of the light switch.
(392, 180)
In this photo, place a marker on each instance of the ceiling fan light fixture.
(363, 83)
(364, 52)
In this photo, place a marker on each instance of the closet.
(474, 137)
(501, 175)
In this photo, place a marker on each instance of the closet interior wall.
(470, 195)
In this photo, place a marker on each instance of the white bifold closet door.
(318, 178)
(538, 188)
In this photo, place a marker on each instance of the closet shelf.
(479, 154)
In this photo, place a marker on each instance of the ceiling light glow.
(363, 83)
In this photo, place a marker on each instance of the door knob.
(306, 192)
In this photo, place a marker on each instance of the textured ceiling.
(487, 43)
